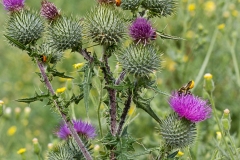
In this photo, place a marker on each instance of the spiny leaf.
(172, 155)
(15, 42)
(59, 74)
(37, 97)
(118, 87)
(87, 85)
(145, 105)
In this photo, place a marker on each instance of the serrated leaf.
(15, 42)
(87, 86)
(172, 155)
(144, 104)
(55, 73)
(117, 87)
(33, 99)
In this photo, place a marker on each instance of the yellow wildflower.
(78, 65)
(219, 135)
(21, 151)
(11, 131)
(179, 154)
(226, 14)
(1, 102)
(190, 34)
(235, 13)
(131, 110)
(209, 6)
(191, 7)
(61, 90)
(208, 76)
(96, 147)
(221, 26)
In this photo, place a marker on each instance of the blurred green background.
(194, 20)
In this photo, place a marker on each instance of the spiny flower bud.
(25, 27)
(49, 10)
(105, 25)
(13, 5)
(65, 33)
(51, 54)
(159, 7)
(130, 4)
(140, 60)
(177, 132)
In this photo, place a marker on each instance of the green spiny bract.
(25, 27)
(177, 132)
(130, 4)
(105, 25)
(160, 7)
(140, 60)
(65, 33)
(53, 56)
(67, 150)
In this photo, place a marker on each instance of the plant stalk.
(64, 117)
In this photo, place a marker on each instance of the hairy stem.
(205, 62)
(64, 117)
(120, 78)
(220, 126)
(98, 111)
(125, 111)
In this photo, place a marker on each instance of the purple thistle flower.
(141, 31)
(84, 129)
(49, 10)
(63, 132)
(190, 107)
(13, 5)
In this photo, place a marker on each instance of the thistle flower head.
(63, 132)
(13, 5)
(49, 10)
(141, 30)
(84, 129)
(190, 107)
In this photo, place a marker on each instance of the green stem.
(234, 58)
(189, 154)
(99, 105)
(205, 62)
(220, 126)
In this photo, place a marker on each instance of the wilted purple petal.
(49, 10)
(190, 107)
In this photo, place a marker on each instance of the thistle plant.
(129, 39)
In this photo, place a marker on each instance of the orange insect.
(118, 2)
(44, 58)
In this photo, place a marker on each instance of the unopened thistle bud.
(219, 135)
(140, 60)
(49, 10)
(65, 33)
(49, 54)
(25, 27)
(105, 25)
(160, 8)
(37, 147)
(177, 132)
(13, 5)
(208, 83)
(226, 119)
(130, 4)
